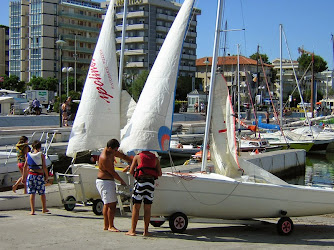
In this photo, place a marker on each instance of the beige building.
(228, 66)
(323, 80)
(289, 81)
(4, 50)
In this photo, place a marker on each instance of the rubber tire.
(69, 207)
(98, 207)
(178, 222)
(156, 223)
(285, 226)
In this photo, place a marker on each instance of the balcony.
(82, 4)
(79, 60)
(162, 29)
(79, 49)
(135, 52)
(190, 45)
(159, 40)
(165, 17)
(80, 17)
(80, 38)
(139, 26)
(191, 34)
(188, 68)
(136, 65)
(132, 39)
(79, 27)
(188, 57)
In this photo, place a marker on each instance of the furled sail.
(98, 116)
(223, 146)
(222, 136)
(151, 124)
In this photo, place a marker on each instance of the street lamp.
(261, 88)
(75, 62)
(67, 70)
(60, 44)
(206, 62)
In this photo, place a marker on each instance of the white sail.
(98, 116)
(150, 125)
(223, 145)
(222, 136)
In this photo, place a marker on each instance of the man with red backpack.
(145, 168)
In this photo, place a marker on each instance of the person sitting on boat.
(105, 182)
(33, 173)
(146, 168)
(22, 149)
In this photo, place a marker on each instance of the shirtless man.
(105, 182)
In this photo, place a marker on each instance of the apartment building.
(323, 81)
(147, 25)
(289, 80)
(228, 66)
(4, 50)
(37, 25)
(41, 30)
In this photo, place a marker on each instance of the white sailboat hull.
(216, 196)
(221, 197)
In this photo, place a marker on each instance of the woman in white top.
(34, 171)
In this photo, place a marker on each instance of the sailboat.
(237, 189)
(104, 109)
(100, 113)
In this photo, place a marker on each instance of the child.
(22, 150)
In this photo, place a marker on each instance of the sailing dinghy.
(104, 109)
(238, 189)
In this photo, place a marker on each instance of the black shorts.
(143, 191)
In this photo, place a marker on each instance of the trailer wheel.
(284, 226)
(157, 223)
(178, 222)
(98, 207)
(71, 206)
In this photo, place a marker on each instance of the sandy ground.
(82, 229)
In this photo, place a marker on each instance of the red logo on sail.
(95, 75)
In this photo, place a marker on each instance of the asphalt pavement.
(82, 229)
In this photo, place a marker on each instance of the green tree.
(51, 84)
(138, 84)
(13, 83)
(40, 83)
(184, 84)
(319, 63)
(37, 83)
(331, 92)
(82, 78)
(307, 95)
(264, 57)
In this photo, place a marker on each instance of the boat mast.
(212, 80)
(238, 82)
(121, 60)
(332, 75)
(281, 76)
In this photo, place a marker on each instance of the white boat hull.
(88, 173)
(216, 196)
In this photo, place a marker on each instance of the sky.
(306, 23)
